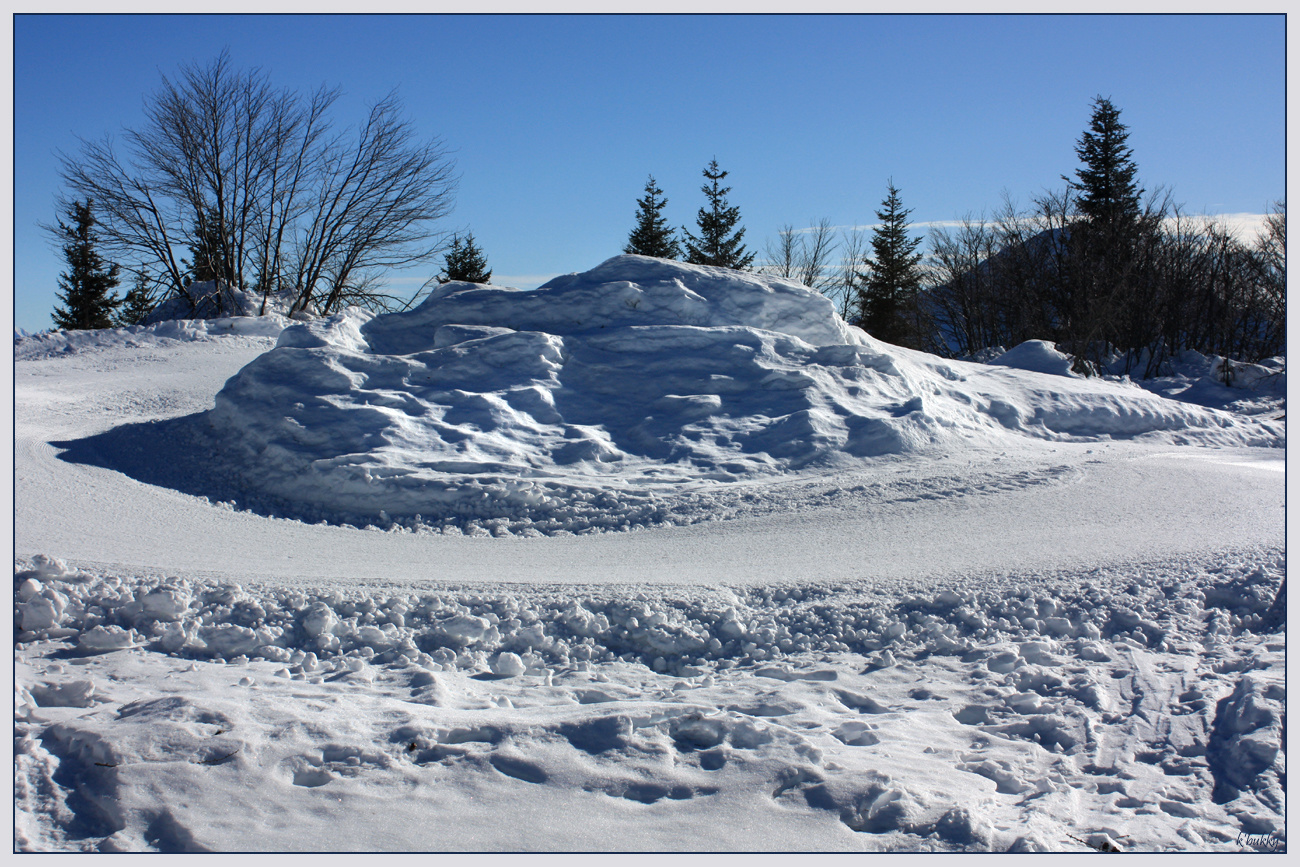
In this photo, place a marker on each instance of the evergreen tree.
(138, 303)
(717, 244)
(88, 283)
(888, 290)
(208, 260)
(465, 262)
(652, 235)
(1105, 295)
(1107, 182)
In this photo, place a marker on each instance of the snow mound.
(1037, 355)
(574, 406)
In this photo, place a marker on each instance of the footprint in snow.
(649, 793)
(520, 769)
(311, 778)
(599, 735)
(766, 709)
(478, 734)
(860, 703)
(974, 715)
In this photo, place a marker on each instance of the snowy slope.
(1041, 613)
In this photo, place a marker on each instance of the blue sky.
(556, 121)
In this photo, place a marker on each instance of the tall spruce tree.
(888, 289)
(1107, 181)
(1105, 298)
(465, 262)
(88, 283)
(652, 235)
(717, 244)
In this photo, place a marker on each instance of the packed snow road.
(1042, 506)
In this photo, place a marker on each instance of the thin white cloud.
(1246, 227)
(867, 227)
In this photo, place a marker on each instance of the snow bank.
(215, 698)
(567, 408)
(1205, 380)
(719, 627)
(217, 300)
(54, 344)
(1249, 389)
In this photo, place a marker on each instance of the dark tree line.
(1115, 277)
(260, 192)
(263, 192)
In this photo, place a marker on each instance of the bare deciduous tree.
(815, 263)
(854, 256)
(782, 257)
(966, 315)
(253, 180)
(372, 208)
(804, 255)
(1270, 258)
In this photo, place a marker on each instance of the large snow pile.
(577, 405)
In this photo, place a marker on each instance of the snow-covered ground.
(656, 557)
